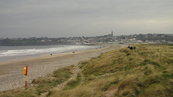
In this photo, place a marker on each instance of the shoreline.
(11, 73)
(19, 54)
(40, 56)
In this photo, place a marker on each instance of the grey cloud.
(55, 18)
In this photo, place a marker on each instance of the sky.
(69, 18)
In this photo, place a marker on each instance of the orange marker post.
(25, 72)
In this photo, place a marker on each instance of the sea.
(20, 52)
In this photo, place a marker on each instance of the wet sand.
(11, 72)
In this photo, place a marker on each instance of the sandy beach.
(11, 72)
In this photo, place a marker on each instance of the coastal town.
(109, 38)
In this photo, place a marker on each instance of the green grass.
(144, 72)
(73, 83)
(59, 76)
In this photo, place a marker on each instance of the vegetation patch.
(167, 75)
(147, 61)
(73, 83)
(109, 84)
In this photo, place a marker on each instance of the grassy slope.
(144, 72)
(126, 73)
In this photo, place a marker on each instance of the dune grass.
(144, 72)
(73, 83)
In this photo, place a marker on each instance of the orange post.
(25, 72)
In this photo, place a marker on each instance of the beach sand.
(11, 72)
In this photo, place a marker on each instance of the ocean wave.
(34, 51)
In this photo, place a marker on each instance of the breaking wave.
(35, 51)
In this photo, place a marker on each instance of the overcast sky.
(59, 18)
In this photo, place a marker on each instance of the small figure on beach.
(51, 54)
